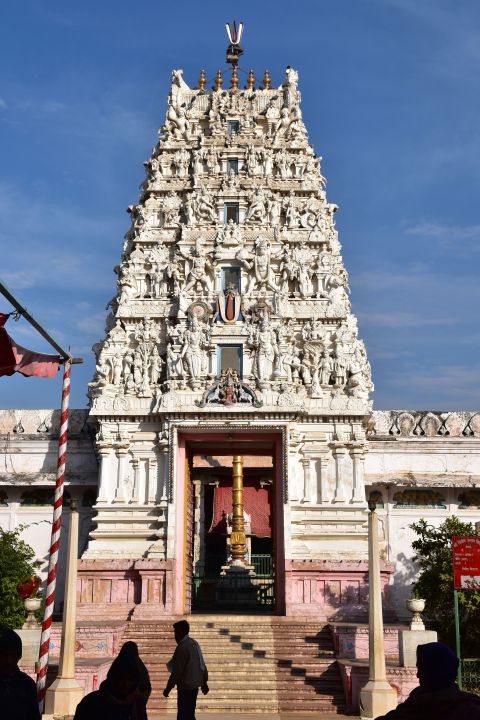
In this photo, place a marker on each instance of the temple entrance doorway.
(210, 523)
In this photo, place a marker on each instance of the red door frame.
(189, 434)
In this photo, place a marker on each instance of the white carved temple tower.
(230, 333)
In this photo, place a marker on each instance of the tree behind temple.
(16, 565)
(433, 553)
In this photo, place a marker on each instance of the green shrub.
(433, 553)
(16, 565)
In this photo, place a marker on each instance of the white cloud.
(93, 324)
(447, 386)
(3, 104)
(52, 106)
(48, 244)
(459, 237)
(403, 319)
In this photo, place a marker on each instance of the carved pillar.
(307, 479)
(339, 453)
(212, 362)
(136, 481)
(237, 538)
(323, 497)
(152, 480)
(164, 497)
(199, 533)
(103, 452)
(121, 453)
(358, 459)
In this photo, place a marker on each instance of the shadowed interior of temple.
(210, 501)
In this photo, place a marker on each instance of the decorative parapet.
(422, 423)
(41, 422)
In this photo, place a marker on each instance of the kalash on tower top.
(232, 294)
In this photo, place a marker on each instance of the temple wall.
(434, 471)
(28, 459)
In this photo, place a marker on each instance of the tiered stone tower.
(231, 316)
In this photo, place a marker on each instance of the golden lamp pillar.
(238, 540)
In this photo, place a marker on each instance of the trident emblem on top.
(234, 35)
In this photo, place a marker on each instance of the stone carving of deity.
(127, 284)
(256, 211)
(339, 369)
(192, 352)
(251, 160)
(272, 113)
(200, 267)
(282, 162)
(212, 161)
(204, 209)
(103, 373)
(231, 181)
(116, 362)
(261, 271)
(156, 363)
(181, 161)
(286, 270)
(292, 364)
(291, 93)
(171, 207)
(283, 124)
(229, 235)
(360, 373)
(291, 211)
(166, 164)
(176, 121)
(174, 364)
(267, 162)
(158, 258)
(325, 369)
(265, 350)
(197, 162)
(309, 214)
(301, 270)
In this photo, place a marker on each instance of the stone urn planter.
(32, 604)
(416, 606)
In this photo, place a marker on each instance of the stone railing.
(423, 423)
(41, 422)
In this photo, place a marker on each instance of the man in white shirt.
(187, 671)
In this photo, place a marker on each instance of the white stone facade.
(232, 320)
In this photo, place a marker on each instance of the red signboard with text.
(466, 563)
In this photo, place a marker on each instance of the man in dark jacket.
(438, 696)
(187, 671)
(18, 693)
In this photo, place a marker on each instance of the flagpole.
(42, 666)
(68, 361)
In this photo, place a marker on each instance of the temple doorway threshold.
(211, 584)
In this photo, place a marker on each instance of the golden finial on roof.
(251, 80)
(266, 80)
(234, 83)
(202, 80)
(218, 81)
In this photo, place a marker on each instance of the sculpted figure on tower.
(234, 212)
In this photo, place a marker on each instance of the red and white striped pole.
(42, 666)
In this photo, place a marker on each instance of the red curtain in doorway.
(257, 503)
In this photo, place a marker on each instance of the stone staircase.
(256, 664)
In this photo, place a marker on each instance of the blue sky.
(391, 99)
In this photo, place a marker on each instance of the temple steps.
(263, 665)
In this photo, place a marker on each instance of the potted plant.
(416, 605)
(28, 591)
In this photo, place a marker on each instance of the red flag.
(15, 358)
